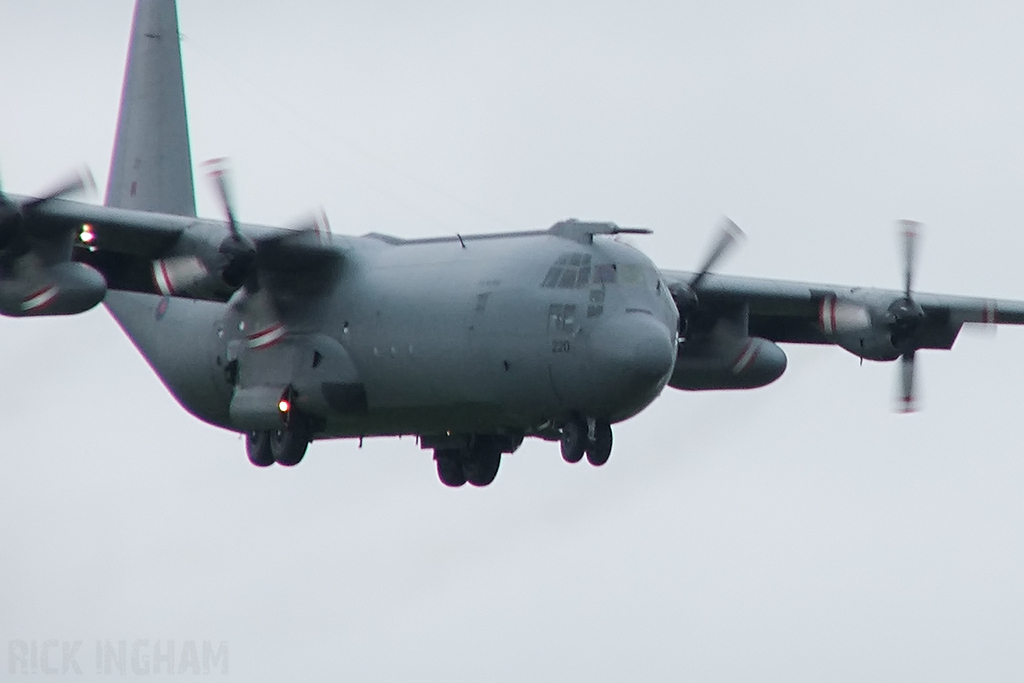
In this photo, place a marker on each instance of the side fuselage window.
(596, 306)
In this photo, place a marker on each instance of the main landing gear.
(476, 463)
(285, 446)
(591, 437)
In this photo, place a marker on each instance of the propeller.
(261, 321)
(728, 236)
(12, 214)
(239, 258)
(238, 252)
(906, 317)
(73, 183)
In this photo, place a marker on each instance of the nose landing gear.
(574, 440)
(599, 445)
(590, 437)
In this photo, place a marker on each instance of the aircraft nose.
(637, 350)
(653, 355)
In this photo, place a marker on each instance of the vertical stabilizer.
(151, 168)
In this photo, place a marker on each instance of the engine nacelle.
(859, 322)
(63, 289)
(195, 267)
(715, 363)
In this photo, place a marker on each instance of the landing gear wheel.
(599, 449)
(257, 447)
(288, 445)
(449, 467)
(574, 440)
(481, 467)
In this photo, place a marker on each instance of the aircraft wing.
(148, 252)
(801, 312)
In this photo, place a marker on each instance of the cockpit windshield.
(575, 271)
(571, 271)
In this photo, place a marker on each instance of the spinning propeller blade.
(907, 399)
(12, 213)
(910, 231)
(729, 234)
(78, 181)
(685, 295)
(219, 173)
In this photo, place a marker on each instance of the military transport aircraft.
(472, 343)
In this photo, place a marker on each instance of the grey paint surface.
(755, 521)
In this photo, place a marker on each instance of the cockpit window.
(568, 280)
(630, 274)
(575, 271)
(604, 273)
(569, 272)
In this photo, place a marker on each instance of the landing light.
(283, 405)
(87, 235)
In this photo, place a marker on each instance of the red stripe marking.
(40, 292)
(737, 368)
(165, 276)
(266, 337)
(51, 290)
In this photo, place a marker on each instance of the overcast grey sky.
(799, 532)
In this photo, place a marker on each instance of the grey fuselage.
(486, 334)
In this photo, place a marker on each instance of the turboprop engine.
(880, 326)
(869, 323)
(207, 263)
(722, 355)
(37, 275)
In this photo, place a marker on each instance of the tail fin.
(151, 168)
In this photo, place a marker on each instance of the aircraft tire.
(574, 440)
(288, 446)
(257, 447)
(600, 449)
(449, 467)
(481, 467)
